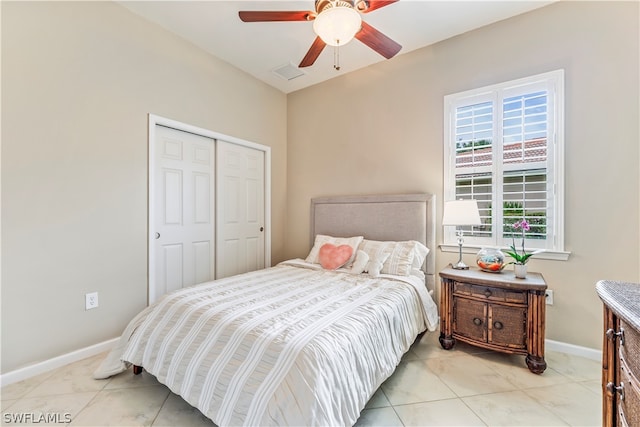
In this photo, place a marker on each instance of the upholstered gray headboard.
(379, 217)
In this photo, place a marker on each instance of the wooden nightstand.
(494, 311)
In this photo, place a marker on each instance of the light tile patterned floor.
(465, 386)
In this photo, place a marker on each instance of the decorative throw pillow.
(360, 262)
(332, 257)
(321, 239)
(374, 266)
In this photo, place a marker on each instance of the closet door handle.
(261, 228)
(157, 235)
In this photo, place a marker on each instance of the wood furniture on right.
(620, 353)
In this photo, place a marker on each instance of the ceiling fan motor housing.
(321, 5)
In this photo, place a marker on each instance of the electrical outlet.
(91, 301)
(548, 297)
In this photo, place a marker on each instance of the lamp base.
(460, 266)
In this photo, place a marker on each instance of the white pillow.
(375, 264)
(420, 253)
(360, 262)
(400, 255)
(321, 239)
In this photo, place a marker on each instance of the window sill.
(470, 249)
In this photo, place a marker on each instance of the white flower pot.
(520, 270)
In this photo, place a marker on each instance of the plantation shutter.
(499, 144)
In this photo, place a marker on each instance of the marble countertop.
(623, 298)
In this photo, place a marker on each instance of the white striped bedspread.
(288, 345)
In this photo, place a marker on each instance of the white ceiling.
(260, 48)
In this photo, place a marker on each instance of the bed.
(308, 341)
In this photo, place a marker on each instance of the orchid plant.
(522, 258)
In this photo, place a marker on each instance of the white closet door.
(240, 213)
(182, 200)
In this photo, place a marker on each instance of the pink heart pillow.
(332, 256)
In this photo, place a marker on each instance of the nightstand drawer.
(489, 293)
(629, 403)
(630, 348)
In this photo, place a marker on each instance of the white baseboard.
(57, 362)
(65, 359)
(576, 350)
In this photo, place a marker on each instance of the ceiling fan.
(335, 23)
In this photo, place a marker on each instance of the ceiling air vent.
(288, 71)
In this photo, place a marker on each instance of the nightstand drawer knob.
(498, 325)
(477, 321)
(611, 388)
(487, 293)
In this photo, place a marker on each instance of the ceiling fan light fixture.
(337, 26)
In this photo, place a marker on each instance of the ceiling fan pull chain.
(336, 57)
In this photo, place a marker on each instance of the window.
(503, 146)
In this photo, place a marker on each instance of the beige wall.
(380, 130)
(78, 80)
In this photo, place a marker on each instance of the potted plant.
(520, 259)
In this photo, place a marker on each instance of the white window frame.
(553, 83)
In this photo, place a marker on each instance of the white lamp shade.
(461, 212)
(338, 25)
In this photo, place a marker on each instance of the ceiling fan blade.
(378, 41)
(376, 4)
(313, 53)
(271, 16)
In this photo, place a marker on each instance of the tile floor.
(465, 386)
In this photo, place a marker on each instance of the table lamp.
(459, 213)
